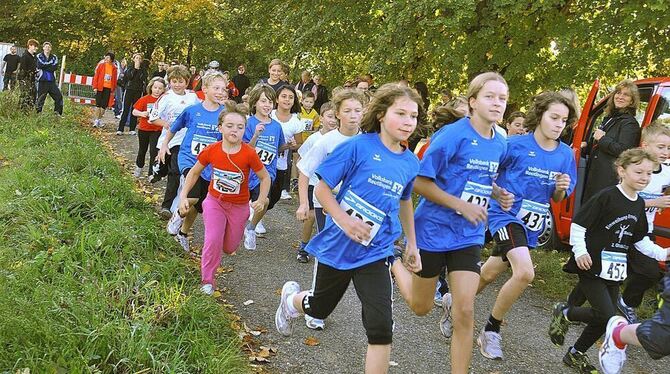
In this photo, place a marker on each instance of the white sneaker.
(207, 289)
(314, 323)
(117, 116)
(174, 224)
(133, 133)
(119, 133)
(138, 172)
(612, 358)
(283, 317)
(249, 239)
(285, 195)
(445, 321)
(260, 228)
(490, 345)
(183, 241)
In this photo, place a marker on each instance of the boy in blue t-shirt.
(201, 122)
(537, 168)
(266, 136)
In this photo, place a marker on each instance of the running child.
(653, 335)
(288, 107)
(266, 136)
(226, 208)
(363, 221)
(164, 112)
(456, 181)
(603, 233)
(515, 124)
(537, 168)
(147, 134)
(308, 115)
(201, 123)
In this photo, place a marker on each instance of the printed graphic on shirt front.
(226, 182)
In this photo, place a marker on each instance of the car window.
(645, 96)
(662, 112)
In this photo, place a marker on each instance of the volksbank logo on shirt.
(206, 126)
(476, 164)
(386, 184)
(533, 171)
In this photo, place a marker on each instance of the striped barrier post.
(79, 88)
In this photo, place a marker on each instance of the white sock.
(291, 308)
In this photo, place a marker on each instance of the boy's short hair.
(308, 95)
(211, 77)
(231, 107)
(45, 43)
(326, 107)
(255, 95)
(32, 42)
(111, 55)
(178, 72)
(656, 129)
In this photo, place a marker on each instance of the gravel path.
(418, 345)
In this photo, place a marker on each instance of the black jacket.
(241, 82)
(321, 97)
(622, 132)
(135, 79)
(28, 67)
(302, 87)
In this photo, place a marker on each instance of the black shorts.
(310, 197)
(102, 98)
(654, 333)
(320, 219)
(255, 193)
(507, 238)
(374, 289)
(464, 259)
(199, 190)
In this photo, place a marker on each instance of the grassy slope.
(88, 279)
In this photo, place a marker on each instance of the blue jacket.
(46, 67)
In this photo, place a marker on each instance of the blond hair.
(210, 77)
(634, 156)
(635, 103)
(178, 72)
(478, 83)
(153, 81)
(651, 132)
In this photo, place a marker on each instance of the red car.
(654, 106)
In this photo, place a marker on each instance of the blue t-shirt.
(464, 164)
(267, 147)
(374, 179)
(529, 172)
(201, 130)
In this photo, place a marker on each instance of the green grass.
(89, 281)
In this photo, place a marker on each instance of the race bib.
(614, 266)
(533, 214)
(226, 182)
(309, 124)
(266, 152)
(478, 194)
(199, 142)
(108, 77)
(356, 207)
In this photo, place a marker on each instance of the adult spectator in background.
(161, 72)
(27, 75)
(195, 78)
(362, 84)
(104, 85)
(371, 82)
(10, 64)
(233, 92)
(241, 81)
(118, 93)
(306, 83)
(47, 64)
(618, 132)
(422, 89)
(445, 96)
(134, 80)
(320, 93)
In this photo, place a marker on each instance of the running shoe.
(132, 133)
(285, 195)
(283, 316)
(302, 257)
(165, 213)
(580, 362)
(175, 222)
(250, 239)
(612, 358)
(314, 323)
(437, 299)
(183, 241)
(207, 289)
(627, 311)
(490, 345)
(119, 133)
(118, 116)
(260, 228)
(559, 325)
(445, 321)
(138, 172)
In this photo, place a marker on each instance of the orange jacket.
(99, 80)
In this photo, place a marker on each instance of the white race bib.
(614, 266)
(199, 142)
(226, 182)
(533, 214)
(266, 152)
(356, 207)
(478, 194)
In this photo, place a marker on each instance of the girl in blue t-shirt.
(456, 180)
(376, 174)
(537, 168)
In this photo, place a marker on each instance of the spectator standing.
(10, 64)
(422, 89)
(104, 85)
(195, 78)
(241, 81)
(320, 93)
(27, 75)
(306, 83)
(120, 87)
(135, 80)
(161, 72)
(47, 64)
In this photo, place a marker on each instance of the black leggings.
(173, 175)
(129, 99)
(602, 297)
(147, 139)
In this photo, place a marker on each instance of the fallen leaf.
(311, 341)
(264, 352)
(217, 294)
(278, 292)
(393, 363)
(248, 302)
(258, 359)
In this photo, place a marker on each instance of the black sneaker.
(626, 311)
(559, 325)
(303, 256)
(580, 362)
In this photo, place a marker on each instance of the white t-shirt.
(659, 181)
(290, 128)
(168, 108)
(311, 160)
(501, 130)
(304, 150)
